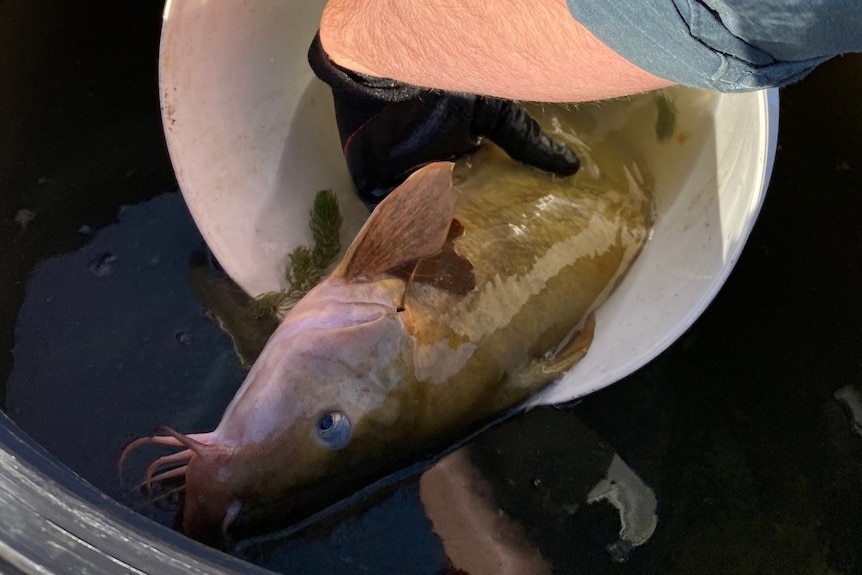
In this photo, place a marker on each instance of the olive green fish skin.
(414, 363)
(545, 252)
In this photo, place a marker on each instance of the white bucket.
(252, 138)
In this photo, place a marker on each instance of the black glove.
(389, 129)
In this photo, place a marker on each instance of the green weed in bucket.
(306, 267)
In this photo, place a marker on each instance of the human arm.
(506, 48)
(550, 50)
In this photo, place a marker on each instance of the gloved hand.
(389, 129)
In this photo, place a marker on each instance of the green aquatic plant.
(307, 266)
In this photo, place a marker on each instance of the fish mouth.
(212, 509)
(208, 506)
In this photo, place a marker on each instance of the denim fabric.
(726, 45)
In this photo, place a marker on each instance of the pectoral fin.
(410, 224)
(548, 369)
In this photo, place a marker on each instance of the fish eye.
(333, 429)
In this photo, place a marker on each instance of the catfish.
(469, 288)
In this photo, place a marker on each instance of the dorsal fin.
(411, 223)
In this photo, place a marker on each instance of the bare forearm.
(507, 48)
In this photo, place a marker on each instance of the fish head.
(314, 419)
(332, 403)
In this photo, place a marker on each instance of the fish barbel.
(469, 288)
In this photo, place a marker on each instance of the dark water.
(755, 465)
(110, 340)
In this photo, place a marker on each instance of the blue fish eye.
(333, 430)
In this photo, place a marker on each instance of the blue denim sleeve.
(725, 45)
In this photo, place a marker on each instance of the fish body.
(468, 289)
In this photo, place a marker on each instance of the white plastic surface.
(252, 138)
